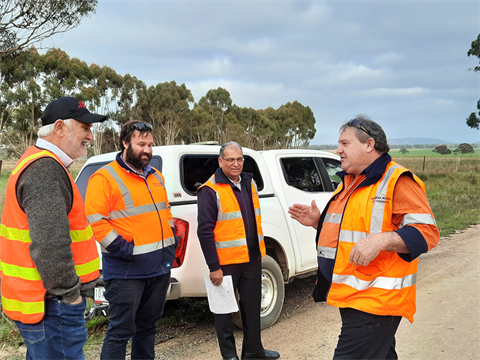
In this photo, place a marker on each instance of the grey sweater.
(44, 192)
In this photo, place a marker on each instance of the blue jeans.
(60, 335)
(135, 306)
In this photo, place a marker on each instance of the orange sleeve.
(414, 217)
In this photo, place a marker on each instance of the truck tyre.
(273, 293)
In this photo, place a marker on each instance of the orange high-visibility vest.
(22, 289)
(133, 212)
(229, 233)
(387, 286)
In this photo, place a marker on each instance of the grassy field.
(453, 190)
(395, 153)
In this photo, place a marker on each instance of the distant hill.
(414, 141)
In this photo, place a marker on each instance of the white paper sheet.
(221, 299)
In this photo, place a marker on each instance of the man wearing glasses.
(230, 233)
(369, 237)
(127, 206)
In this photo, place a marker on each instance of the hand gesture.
(304, 214)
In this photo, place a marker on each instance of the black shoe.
(266, 354)
(230, 358)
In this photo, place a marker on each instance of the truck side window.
(333, 166)
(302, 173)
(197, 169)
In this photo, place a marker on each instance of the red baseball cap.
(69, 108)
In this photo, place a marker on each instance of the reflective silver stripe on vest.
(138, 210)
(231, 243)
(418, 219)
(159, 178)
(255, 185)
(380, 282)
(92, 219)
(148, 248)
(130, 208)
(333, 218)
(351, 236)
(107, 240)
(228, 216)
(326, 252)
(127, 197)
(378, 209)
(231, 216)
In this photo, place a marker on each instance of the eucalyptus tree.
(129, 94)
(217, 102)
(259, 129)
(27, 22)
(201, 126)
(167, 107)
(295, 125)
(62, 75)
(22, 98)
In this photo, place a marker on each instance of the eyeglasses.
(232, 160)
(355, 123)
(141, 126)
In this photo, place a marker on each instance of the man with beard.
(127, 206)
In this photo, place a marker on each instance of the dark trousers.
(247, 278)
(135, 306)
(366, 336)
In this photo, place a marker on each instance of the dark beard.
(136, 161)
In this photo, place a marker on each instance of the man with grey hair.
(369, 237)
(48, 255)
(230, 233)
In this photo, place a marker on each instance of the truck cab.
(283, 177)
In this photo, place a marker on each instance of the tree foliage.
(403, 151)
(29, 81)
(464, 148)
(26, 22)
(442, 150)
(474, 119)
(475, 51)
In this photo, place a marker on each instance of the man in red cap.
(48, 255)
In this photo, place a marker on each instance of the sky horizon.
(402, 63)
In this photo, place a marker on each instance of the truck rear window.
(197, 169)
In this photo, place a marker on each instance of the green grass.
(454, 198)
(428, 152)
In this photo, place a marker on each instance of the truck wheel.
(273, 292)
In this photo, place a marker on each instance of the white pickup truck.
(283, 177)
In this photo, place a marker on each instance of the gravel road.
(446, 327)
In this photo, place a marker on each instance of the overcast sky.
(403, 63)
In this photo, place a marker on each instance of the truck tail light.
(181, 229)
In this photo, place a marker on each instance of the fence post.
(458, 164)
(424, 163)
